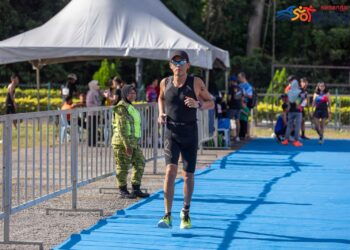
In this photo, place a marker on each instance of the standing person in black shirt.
(234, 102)
(179, 98)
(304, 105)
(10, 102)
(70, 89)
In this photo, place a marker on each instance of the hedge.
(22, 93)
(265, 112)
(28, 104)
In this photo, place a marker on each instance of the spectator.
(125, 142)
(289, 81)
(294, 114)
(119, 84)
(284, 98)
(93, 99)
(70, 89)
(68, 105)
(243, 118)
(281, 124)
(248, 94)
(213, 90)
(151, 91)
(234, 103)
(82, 100)
(221, 106)
(11, 106)
(322, 105)
(246, 88)
(111, 94)
(304, 104)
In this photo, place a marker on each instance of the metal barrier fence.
(46, 154)
(54, 152)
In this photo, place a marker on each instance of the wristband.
(199, 104)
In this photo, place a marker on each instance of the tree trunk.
(255, 26)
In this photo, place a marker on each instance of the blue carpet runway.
(264, 196)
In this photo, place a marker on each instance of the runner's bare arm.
(161, 102)
(202, 94)
(313, 103)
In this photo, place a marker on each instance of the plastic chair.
(224, 127)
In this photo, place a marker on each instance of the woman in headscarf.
(93, 99)
(294, 114)
(126, 144)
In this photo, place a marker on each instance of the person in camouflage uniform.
(125, 143)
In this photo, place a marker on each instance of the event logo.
(293, 13)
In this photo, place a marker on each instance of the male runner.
(179, 98)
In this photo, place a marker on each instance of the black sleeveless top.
(9, 101)
(175, 107)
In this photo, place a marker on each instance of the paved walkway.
(264, 196)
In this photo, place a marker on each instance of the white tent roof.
(92, 29)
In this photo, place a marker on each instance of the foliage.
(265, 111)
(276, 86)
(30, 104)
(32, 93)
(257, 68)
(106, 72)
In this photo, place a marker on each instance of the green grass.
(48, 132)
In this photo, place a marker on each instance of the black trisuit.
(181, 134)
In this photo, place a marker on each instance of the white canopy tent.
(91, 29)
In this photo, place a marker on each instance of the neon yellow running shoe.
(165, 222)
(185, 220)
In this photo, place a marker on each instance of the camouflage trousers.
(124, 162)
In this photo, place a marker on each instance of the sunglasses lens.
(178, 63)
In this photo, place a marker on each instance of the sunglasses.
(178, 63)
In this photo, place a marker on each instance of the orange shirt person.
(68, 104)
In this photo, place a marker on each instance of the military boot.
(136, 191)
(125, 194)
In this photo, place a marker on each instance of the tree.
(255, 25)
(106, 72)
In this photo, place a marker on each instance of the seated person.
(281, 124)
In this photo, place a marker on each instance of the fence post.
(7, 177)
(74, 158)
(155, 137)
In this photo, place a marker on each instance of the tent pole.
(273, 55)
(37, 69)
(227, 75)
(139, 69)
(207, 78)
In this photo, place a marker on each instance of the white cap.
(72, 76)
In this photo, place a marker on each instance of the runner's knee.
(171, 172)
